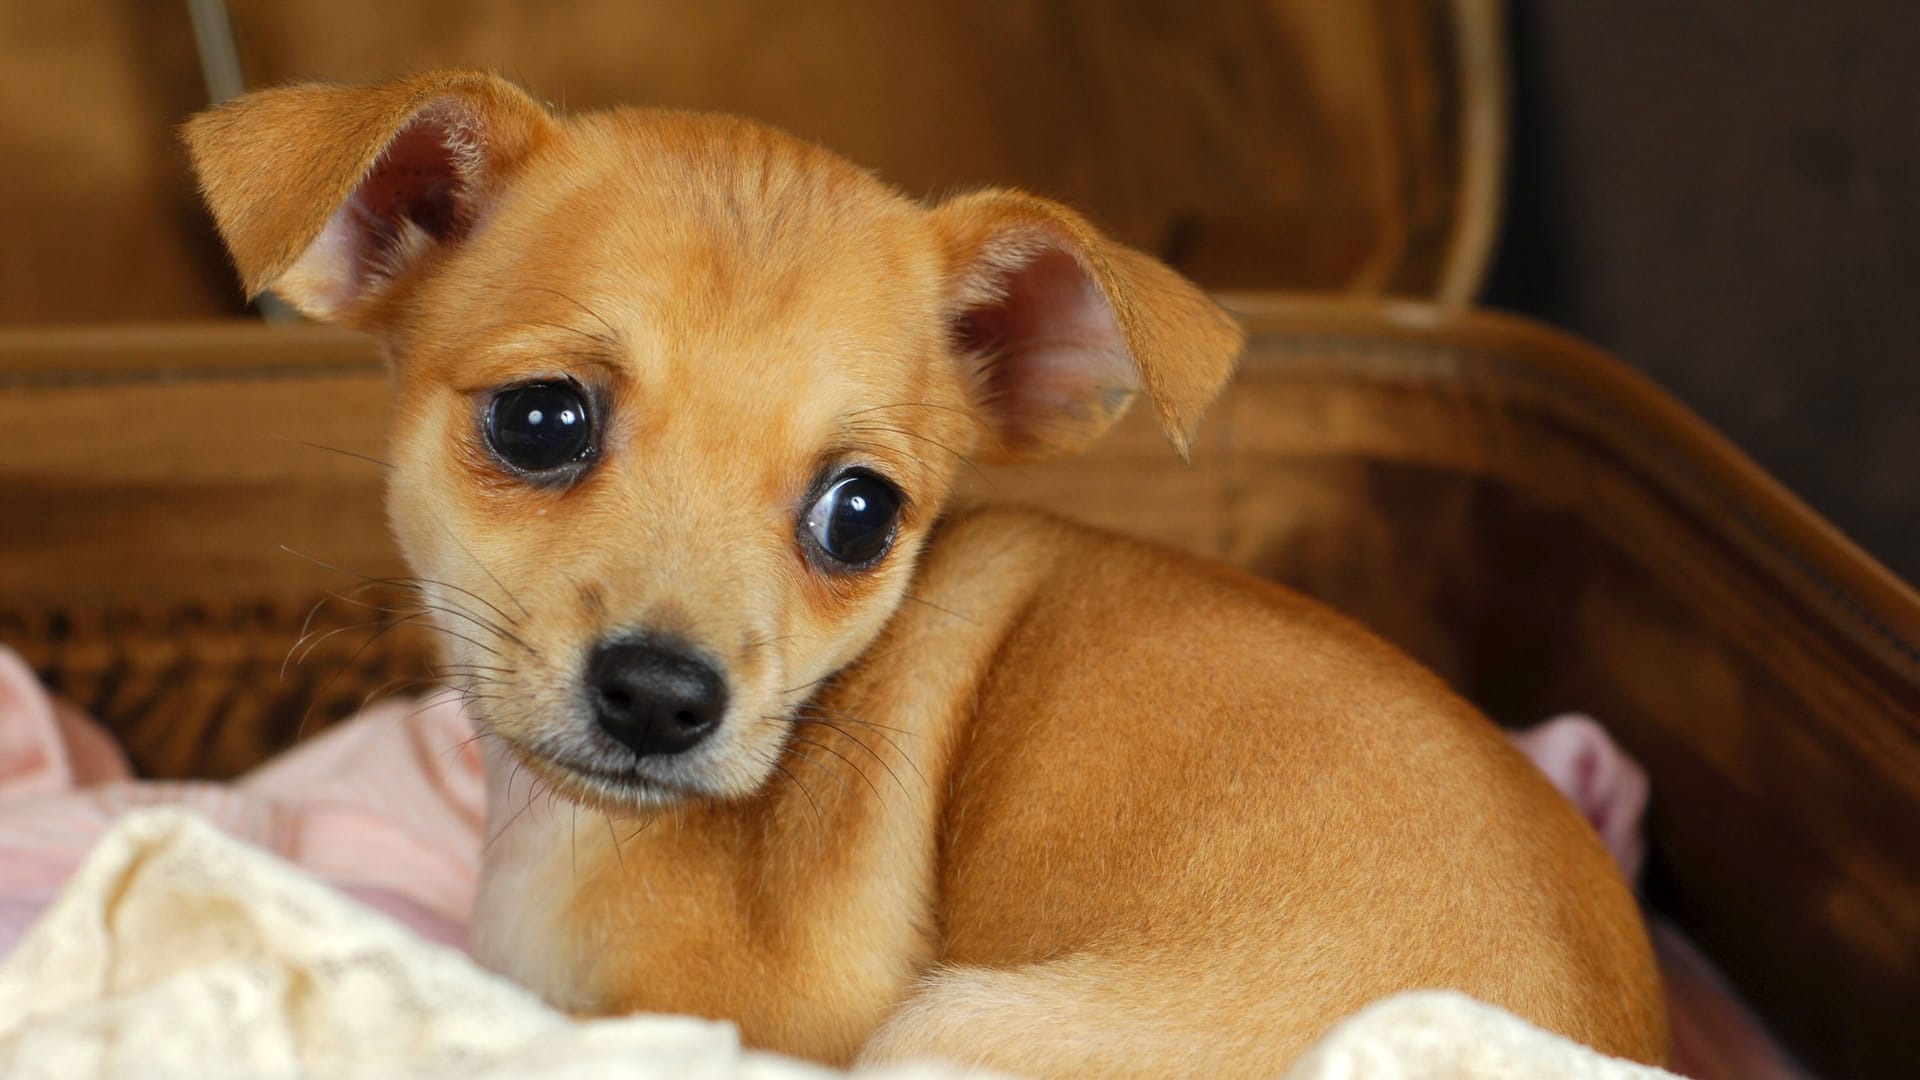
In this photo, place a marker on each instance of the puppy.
(678, 402)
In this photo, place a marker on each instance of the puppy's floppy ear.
(1066, 327)
(326, 194)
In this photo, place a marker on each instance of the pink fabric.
(390, 808)
(1608, 787)
(1715, 1036)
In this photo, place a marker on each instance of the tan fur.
(1022, 794)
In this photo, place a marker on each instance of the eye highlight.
(852, 522)
(540, 427)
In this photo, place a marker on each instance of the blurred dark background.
(1727, 195)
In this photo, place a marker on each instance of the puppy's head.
(679, 397)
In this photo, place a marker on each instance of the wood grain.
(1253, 143)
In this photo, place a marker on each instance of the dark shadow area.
(1728, 196)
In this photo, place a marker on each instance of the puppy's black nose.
(655, 698)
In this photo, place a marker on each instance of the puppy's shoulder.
(1047, 550)
(1083, 580)
(1007, 536)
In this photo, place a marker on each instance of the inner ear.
(417, 181)
(417, 194)
(1051, 364)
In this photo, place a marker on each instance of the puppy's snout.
(653, 697)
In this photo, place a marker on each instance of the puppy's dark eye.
(852, 522)
(540, 427)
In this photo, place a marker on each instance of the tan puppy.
(679, 401)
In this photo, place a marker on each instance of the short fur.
(1024, 794)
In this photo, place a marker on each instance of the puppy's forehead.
(711, 231)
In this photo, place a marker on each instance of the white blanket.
(178, 952)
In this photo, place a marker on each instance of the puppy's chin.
(616, 783)
(607, 791)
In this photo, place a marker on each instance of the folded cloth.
(178, 952)
(389, 808)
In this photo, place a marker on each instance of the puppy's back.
(1238, 808)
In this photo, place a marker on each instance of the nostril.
(654, 697)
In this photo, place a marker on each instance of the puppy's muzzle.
(654, 698)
